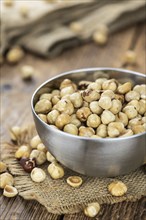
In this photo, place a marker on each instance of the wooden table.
(15, 110)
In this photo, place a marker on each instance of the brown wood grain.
(15, 110)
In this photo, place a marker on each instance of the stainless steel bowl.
(93, 157)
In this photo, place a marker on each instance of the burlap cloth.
(57, 196)
(46, 30)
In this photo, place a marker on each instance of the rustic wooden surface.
(15, 110)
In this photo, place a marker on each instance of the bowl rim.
(85, 70)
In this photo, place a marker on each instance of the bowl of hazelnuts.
(93, 120)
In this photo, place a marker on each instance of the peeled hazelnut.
(142, 107)
(55, 170)
(107, 117)
(130, 57)
(76, 27)
(50, 157)
(105, 102)
(132, 95)
(27, 72)
(100, 38)
(95, 108)
(47, 96)
(42, 147)
(134, 103)
(138, 129)
(55, 99)
(134, 122)
(90, 95)
(126, 87)
(65, 106)
(38, 175)
(6, 179)
(83, 113)
(126, 133)
(39, 156)
(108, 93)
(66, 83)
(117, 188)
(84, 84)
(74, 181)
(75, 121)
(116, 106)
(15, 132)
(93, 121)
(10, 191)
(23, 151)
(102, 131)
(28, 164)
(130, 111)
(86, 131)
(3, 167)
(52, 116)
(43, 117)
(15, 55)
(76, 99)
(55, 92)
(92, 209)
(35, 141)
(120, 98)
(141, 89)
(94, 86)
(43, 106)
(67, 91)
(71, 129)
(122, 117)
(62, 120)
(115, 129)
(110, 84)
(101, 80)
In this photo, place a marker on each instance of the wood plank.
(20, 209)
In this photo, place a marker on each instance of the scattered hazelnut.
(23, 151)
(42, 147)
(8, 3)
(50, 157)
(28, 164)
(130, 57)
(117, 188)
(15, 55)
(76, 27)
(55, 170)
(92, 209)
(10, 191)
(38, 175)
(6, 179)
(24, 11)
(15, 132)
(39, 156)
(100, 38)
(74, 181)
(35, 141)
(3, 167)
(27, 72)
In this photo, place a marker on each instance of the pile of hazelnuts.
(104, 108)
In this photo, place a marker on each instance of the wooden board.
(15, 110)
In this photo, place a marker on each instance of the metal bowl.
(106, 157)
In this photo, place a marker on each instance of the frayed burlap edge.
(31, 191)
